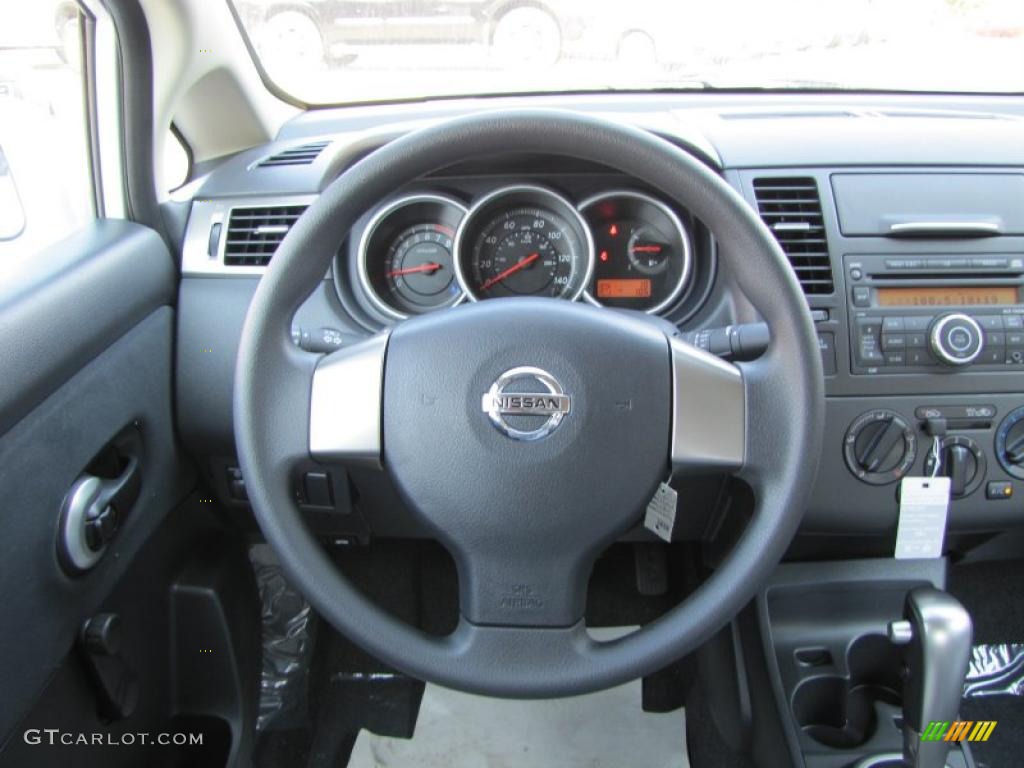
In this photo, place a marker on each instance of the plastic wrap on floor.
(995, 670)
(288, 626)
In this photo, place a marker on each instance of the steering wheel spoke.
(768, 449)
(345, 407)
(524, 581)
(708, 412)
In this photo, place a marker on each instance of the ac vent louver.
(791, 207)
(303, 155)
(255, 233)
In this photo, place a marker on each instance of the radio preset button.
(995, 339)
(1015, 339)
(916, 340)
(990, 322)
(1014, 322)
(919, 357)
(917, 322)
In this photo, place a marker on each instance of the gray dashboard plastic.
(744, 130)
(880, 203)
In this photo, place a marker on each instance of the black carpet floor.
(993, 593)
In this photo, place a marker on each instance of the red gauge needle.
(430, 266)
(510, 271)
(647, 249)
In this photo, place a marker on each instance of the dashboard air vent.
(791, 207)
(254, 233)
(303, 155)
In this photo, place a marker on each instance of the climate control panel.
(884, 445)
(877, 442)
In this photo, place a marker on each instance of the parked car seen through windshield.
(332, 51)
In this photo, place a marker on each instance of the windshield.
(336, 51)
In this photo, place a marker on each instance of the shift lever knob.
(937, 656)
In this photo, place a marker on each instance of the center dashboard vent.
(791, 207)
(302, 155)
(254, 233)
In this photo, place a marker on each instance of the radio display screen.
(948, 296)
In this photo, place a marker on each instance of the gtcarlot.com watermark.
(54, 736)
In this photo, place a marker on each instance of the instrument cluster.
(621, 248)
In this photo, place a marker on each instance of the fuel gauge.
(643, 252)
(648, 249)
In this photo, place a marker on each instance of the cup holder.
(839, 711)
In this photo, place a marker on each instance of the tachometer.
(643, 252)
(406, 255)
(523, 241)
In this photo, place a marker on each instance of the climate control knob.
(880, 447)
(1010, 443)
(962, 461)
(956, 339)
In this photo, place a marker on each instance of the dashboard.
(902, 217)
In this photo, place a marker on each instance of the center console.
(921, 333)
(862, 656)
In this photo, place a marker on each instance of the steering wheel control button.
(956, 339)
(526, 403)
(880, 447)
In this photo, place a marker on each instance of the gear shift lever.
(937, 632)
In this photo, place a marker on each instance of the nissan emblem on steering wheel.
(534, 414)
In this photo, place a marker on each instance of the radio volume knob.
(956, 339)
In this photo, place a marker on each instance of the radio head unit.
(911, 315)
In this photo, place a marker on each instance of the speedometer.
(523, 241)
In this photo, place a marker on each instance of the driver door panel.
(86, 344)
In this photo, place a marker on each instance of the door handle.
(122, 492)
(97, 504)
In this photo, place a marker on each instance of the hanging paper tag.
(924, 503)
(661, 512)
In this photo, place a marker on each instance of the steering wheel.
(524, 519)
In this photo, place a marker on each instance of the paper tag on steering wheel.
(924, 503)
(661, 512)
